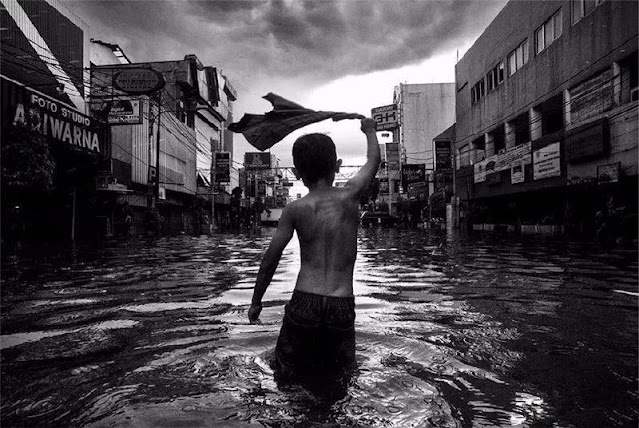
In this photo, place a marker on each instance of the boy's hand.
(368, 125)
(254, 313)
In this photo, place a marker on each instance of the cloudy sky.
(340, 55)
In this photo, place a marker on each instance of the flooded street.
(451, 332)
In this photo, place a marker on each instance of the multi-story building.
(546, 117)
(185, 120)
(44, 64)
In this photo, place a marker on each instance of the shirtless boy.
(318, 328)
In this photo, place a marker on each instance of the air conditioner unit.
(634, 94)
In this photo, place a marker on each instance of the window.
(477, 91)
(517, 58)
(581, 8)
(548, 33)
(495, 76)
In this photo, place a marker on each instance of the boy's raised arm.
(362, 180)
(269, 263)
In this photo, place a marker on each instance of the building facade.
(52, 149)
(425, 110)
(546, 118)
(185, 121)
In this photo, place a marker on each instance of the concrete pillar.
(616, 83)
(509, 131)
(566, 104)
(535, 124)
(489, 142)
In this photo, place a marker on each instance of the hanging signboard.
(125, 112)
(386, 117)
(546, 162)
(223, 167)
(138, 81)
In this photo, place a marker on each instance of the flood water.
(451, 332)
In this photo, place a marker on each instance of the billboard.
(443, 156)
(413, 173)
(387, 117)
(257, 160)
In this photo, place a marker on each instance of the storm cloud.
(315, 40)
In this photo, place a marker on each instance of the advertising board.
(387, 117)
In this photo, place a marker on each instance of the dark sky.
(289, 47)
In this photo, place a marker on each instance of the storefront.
(56, 152)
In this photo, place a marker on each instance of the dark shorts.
(317, 338)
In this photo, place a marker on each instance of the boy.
(318, 332)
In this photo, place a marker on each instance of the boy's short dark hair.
(314, 156)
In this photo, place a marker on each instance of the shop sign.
(479, 171)
(162, 193)
(608, 173)
(387, 117)
(125, 112)
(223, 167)
(138, 81)
(546, 162)
(257, 160)
(517, 173)
(59, 122)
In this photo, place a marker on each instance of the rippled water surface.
(451, 332)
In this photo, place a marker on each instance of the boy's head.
(315, 158)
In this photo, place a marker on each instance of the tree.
(27, 163)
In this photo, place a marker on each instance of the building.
(185, 120)
(546, 118)
(425, 110)
(48, 185)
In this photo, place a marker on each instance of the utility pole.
(157, 152)
(212, 191)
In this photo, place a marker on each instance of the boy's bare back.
(326, 222)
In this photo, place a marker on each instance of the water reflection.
(451, 332)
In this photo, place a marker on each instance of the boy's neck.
(320, 184)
